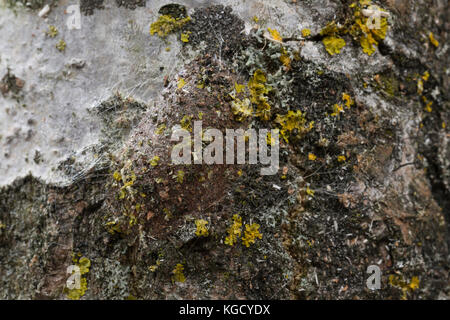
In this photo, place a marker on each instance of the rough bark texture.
(79, 129)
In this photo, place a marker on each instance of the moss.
(174, 10)
(52, 31)
(61, 45)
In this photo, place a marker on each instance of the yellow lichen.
(258, 94)
(368, 37)
(310, 192)
(333, 45)
(181, 83)
(358, 28)
(399, 282)
(419, 86)
(200, 84)
(133, 220)
(348, 100)
(160, 129)
(239, 87)
(312, 157)
(178, 273)
(332, 41)
(275, 35)
(154, 161)
(341, 158)
(367, 43)
(82, 265)
(337, 110)
(185, 36)
(270, 140)
(234, 231)
(117, 176)
(285, 58)
(167, 24)
(128, 181)
(293, 121)
(241, 109)
(185, 123)
(330, 29)
(251, 233)
(168, 214)
(306, 33)
(113, 227)
(433, 40)
(201, 231)
(180, 176)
